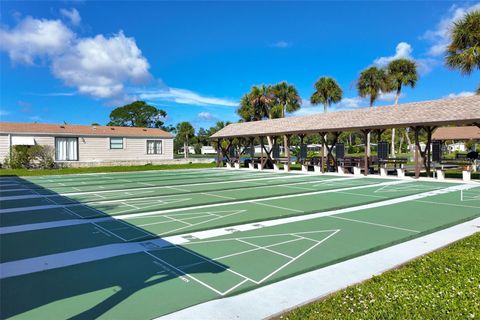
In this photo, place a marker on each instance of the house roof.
(457, 133)
(73, 129)
(462, 110)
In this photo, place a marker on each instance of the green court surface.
(134, 252)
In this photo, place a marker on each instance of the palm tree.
(287, 99)
(185, 131)
(327, 91)
(258, 104)
(371, 82)
(463, 52)
(261, 100)
(400, 73)
(246, 111)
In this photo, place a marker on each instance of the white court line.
(145, 198)
(277, 207)
(205, 221)
(375, 224)
(218, 196)
(186, 266)
(176, 220)
(248, 226)
(264, 248)
(168, 187)
(185, 274)
(447, 204)
(15, 268)
(297, 257)
(179, 189)
(272, 300)
(108, 231)
(269, 223)
(163, 222)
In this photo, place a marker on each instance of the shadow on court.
(105, 282)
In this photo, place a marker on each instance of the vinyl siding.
(97, 149)
(3, 147)
(41, 140)
(93, 149)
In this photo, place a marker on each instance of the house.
(79, 145)
(191, 150)
(457, 146)
(208, 150)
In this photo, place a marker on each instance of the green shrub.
(43, 156)
(30, 156)
(18, 158)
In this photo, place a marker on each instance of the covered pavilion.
(422, 115)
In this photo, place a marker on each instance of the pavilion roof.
(452, 111)
(457, 133)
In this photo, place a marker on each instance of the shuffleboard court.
(142, 256)
(105, 183)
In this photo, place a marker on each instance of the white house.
(191, 150)
(208, 150)
(457, 146)
(79, 145)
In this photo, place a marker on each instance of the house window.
(154, 147)
(66, 149)
(116, 143)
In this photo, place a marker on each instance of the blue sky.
(74, 61)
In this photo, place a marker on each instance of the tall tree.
(258, 104)
(185, 132)
(327, 92)
(400, 73)
(137, 114)
(463, 53)
(286, 99)
(371, 83)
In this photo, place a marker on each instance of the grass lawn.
(42, 172)
(441, 285)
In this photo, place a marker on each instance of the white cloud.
(460, 94)
(281, 44)
(4, 112)
(206, 116)
(72, 15)
(352, 103)
(389, 96)
(100, 66)
(32, 38)
(183, 96)
(440, 36)
(306, 111)
(403, 50)
(345, 104)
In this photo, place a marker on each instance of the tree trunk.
(393, 129)
(270, 142)
(368, 145)
(400, 144)
(392, 147)
(285, 142)
(324, 146)
(185, 150)
(409, 142)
